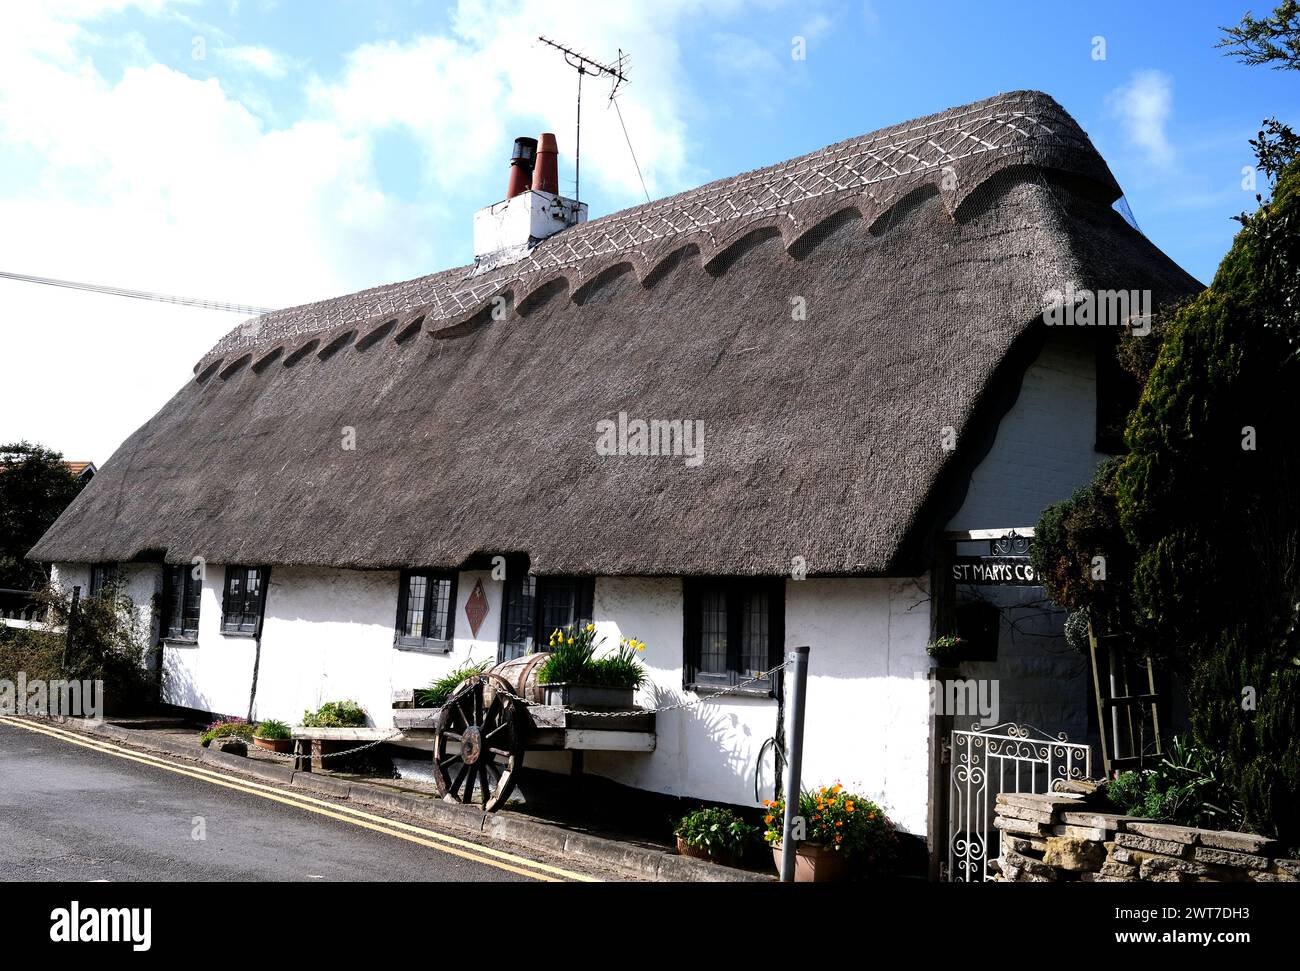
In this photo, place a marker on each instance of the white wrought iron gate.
(1003, 758)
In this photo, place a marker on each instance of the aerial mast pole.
(585, 65)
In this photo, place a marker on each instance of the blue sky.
(272, 153)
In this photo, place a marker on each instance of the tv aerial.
(585, 65)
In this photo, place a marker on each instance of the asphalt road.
(73, 813)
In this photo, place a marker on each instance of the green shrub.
(436, 695)
(1198, 523)
(108, 644)
(1186, 787)
(1207, 497)
(224, 728)
(335, 714)
(1068, 539)
(273, 730)
(717, 831)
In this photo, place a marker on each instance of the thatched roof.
(921, 252)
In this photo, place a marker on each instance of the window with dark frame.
(102, 577)
(732, 630)
(182, 591)
(426, 610)
(244, 599)
(535, 606)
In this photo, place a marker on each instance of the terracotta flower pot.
(700, 853)
(814, 863)
(282, 745)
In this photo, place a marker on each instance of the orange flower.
(836, 788)
(768, 819)
(838, 825)
(849, 805)
(871, 817)
(839, 839)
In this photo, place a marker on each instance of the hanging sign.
(987, 571)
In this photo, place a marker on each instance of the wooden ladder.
(1118, 710)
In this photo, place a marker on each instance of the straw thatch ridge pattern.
(960, 148)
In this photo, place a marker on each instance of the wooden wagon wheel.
(485, 721)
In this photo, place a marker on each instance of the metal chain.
(332, 755)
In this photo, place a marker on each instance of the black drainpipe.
(257, 639)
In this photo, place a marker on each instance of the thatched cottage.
(854, 342)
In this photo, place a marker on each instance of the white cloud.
(161, 182)
(261, 60)
(152, 179)
(1144, 106)
(465, 93)
(817, 26)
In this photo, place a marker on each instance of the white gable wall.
(1045, 445)
(1044, 450)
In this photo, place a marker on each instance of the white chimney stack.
(532, 211)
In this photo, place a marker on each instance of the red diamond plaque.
(476, 607)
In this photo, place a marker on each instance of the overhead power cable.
(236, 308)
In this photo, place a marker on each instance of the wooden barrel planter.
(520, 673)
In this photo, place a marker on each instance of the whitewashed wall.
(868, 703)
(328, 635)
(1045, 445)
(1044, 451)
(216, 674)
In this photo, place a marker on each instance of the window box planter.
(587, 696)
(814, 863)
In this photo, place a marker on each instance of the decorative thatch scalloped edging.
(1029, 128)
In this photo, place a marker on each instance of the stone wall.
(1057, 837)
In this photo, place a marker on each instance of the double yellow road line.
(441, 842)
